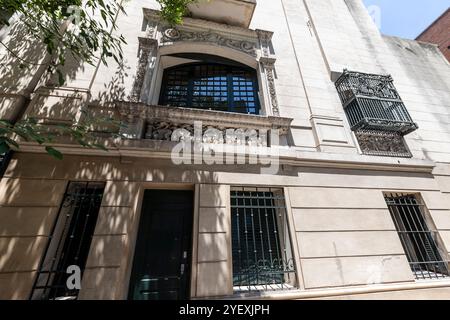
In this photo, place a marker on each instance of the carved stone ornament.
(178, 124)
(382, 143)
(173, 35)
(264, 40)
(170, 131)
(147, 48)
(268, 65)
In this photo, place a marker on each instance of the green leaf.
(54, 153)
(4, 147)
(11, 142)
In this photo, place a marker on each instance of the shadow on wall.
(22, 51)
(30, 197)
(23, 71)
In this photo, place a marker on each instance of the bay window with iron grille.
(376, 113)
(261, 243)
(418, 235)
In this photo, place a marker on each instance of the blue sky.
(408, 18)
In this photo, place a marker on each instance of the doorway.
(161, 265)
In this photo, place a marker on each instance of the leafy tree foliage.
(85, 29)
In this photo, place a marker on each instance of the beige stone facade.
(345, 244)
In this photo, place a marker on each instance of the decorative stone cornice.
(218, 119)
(198, 30)
(190, 23)
(177, 34)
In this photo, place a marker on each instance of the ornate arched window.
(211, 86)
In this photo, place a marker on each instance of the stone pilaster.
(147, 50)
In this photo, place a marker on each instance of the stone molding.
(190, 23)
(178, 34)
(219, 119)
(176, 124)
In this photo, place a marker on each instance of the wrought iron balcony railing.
(371, 102)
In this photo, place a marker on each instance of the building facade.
(438, 33)
(269, 149)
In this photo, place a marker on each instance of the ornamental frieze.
(169, 131)
(173, 35)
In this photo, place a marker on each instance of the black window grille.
(261, 245)
(382, 143)
(69, 241)
(372, 102)
(376, 113)
(419, 239)
(211, 86)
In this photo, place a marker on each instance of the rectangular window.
(419, 237)
(261, 246)
(70, 241)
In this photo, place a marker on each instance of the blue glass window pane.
(211, 86)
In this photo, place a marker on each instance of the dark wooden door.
(161, 266)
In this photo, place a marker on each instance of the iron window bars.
(382, 143)
(69, 241)
(371, 102)
(419, 241)
(376, 113)
(261, 245)
(211, 86)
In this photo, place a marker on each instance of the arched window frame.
(228, 81)
(250, 47)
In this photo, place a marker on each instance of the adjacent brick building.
(439, 33)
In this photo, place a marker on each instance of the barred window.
(69, 242)
(261, 246)
(211, 86)
(419, 237)
(376, 113)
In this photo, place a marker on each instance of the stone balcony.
(164, 123)
(232, 12)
